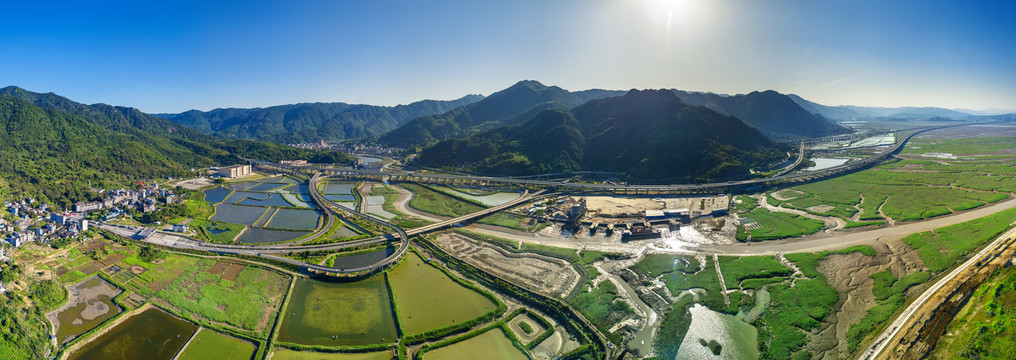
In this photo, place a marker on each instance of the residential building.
(235, 171)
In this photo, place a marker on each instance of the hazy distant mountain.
(510, 106)
(775, 114)
(850, 112)
(54, 147)
(648, 134)
(308, 122)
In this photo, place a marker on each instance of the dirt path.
(842, 239)
(831, 222)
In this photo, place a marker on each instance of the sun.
(680, 14)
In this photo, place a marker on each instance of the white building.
(235, 171)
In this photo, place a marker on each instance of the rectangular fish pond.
(216, 195)
(236, 214)
(153, 332)
(294, 219)
(271, 199)
(339, 187)
(89, 303)
(259, 236)
(492, 344)
(428, 299)
(331, 314)
(287, 354)
(359, 260)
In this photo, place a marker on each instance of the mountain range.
(510, 106)
(54, 147)
(850, 112)
(648, 134)
(309, 122)
(775, 114)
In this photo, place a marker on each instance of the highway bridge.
(565, 185)
(273, 252)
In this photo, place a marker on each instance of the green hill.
(309, 122)
(510, 106)
(54, 148)
(776, 115)
(648, 134)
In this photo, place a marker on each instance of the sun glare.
(674, 14)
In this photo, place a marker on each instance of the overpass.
(273, 252)
(564, 185)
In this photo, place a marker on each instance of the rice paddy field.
(428, 299)
(493, 344)
(330, 314)
(210, 345)
(287, 354)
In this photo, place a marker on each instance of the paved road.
(577, 186)
(884, 339)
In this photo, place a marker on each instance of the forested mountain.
(309, 122)
(776, 115)
(53, 148)
(850, 112)
(506, 107)
(648, 134)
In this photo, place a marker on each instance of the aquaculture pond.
(241, 186)
(294, 219)
(272, 199)
(257, 235)
(280, 180)
(210, 345)
(236, 214)
(238, 196)
(493, 345)
(152, 332)
(329, 314)
(89, 303)
(298, 200)
(339, 187)
(375, 205)
(216, 195)
(429, 299)
(358, 260)
(287, 354)
(736, 338)
(340, 197)
(268, 187)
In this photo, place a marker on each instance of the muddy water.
(151, 335)
(643, 340)
(90, 303)
(739, 340)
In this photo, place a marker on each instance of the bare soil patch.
(820, 209)
(542, 274)
(232, 272)
(218, 268)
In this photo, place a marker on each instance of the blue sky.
(175, 56)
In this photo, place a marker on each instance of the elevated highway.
(273, 252)
(565, 185)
